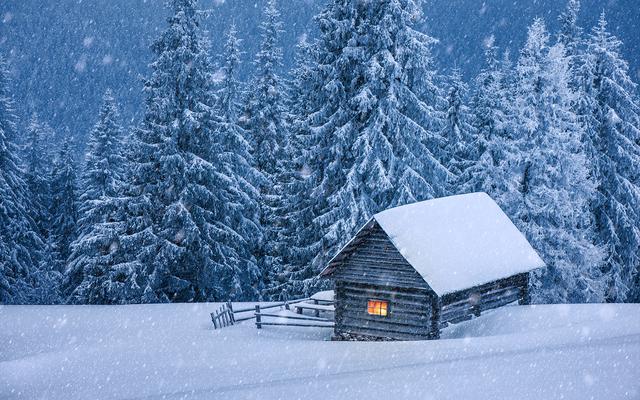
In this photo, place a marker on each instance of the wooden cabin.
(411, 270)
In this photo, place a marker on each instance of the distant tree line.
(244, 190)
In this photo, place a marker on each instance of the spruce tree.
(375, 115)
(457, 132)
(613, 136)
(108, 273)
(244, 282)
(64, 203)
(179, 171)
(103, 169)
(492, 145)
(570, 34)
(264, 120)
(101, 183)
(21, 244)
(554, 182)
(297, 238)
(38, 160)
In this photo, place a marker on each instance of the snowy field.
(171, 352)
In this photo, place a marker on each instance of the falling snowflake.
(88, 41)
(483, 9)
(107, 59)
(81, 64)
(589, 380)
(489, 41)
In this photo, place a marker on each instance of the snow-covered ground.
(171, 352)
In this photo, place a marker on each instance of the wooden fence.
(223, 316)
(226, 315)
(289, 320)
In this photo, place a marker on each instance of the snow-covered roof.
(458, 242)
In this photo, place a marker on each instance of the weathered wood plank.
(395, 304)
(409, 324)
(384, 332)
(305, 317)
(375, 260)
(515, 281)
(382, 289)
(400, 297)
(316, 325)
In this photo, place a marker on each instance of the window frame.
(381, 302)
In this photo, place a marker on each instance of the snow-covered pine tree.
(492, 146)
(554, 182)
(178, 168)
(103, 168)
(109, 271)
(39, 149)
(613, 135)
(457, 132)
(100, 186)
(264, 120)
(298, 236)
(244, 282)
(570, 34)
(64, 204)
(20, 242)
(375, 112)
(38, 160)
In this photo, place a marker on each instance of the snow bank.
(458, 242)
(169, 351)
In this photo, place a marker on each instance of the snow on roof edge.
(513, 253)
(437, 277)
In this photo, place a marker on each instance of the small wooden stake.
(258, 324)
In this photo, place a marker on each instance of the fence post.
(258, 324)
(213, 319)
(233, 317)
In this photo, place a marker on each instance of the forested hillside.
(65, 54)
(241, 183)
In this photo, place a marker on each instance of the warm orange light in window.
(378, 307)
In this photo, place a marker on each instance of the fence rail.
(283, 320)
(282, 304)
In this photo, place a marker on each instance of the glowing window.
(378, 307)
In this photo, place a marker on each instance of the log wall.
(465, 304)
(409, 315)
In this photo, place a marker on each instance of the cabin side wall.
(465, 304)
(409, 316)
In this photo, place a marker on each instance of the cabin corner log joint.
(414, 269)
